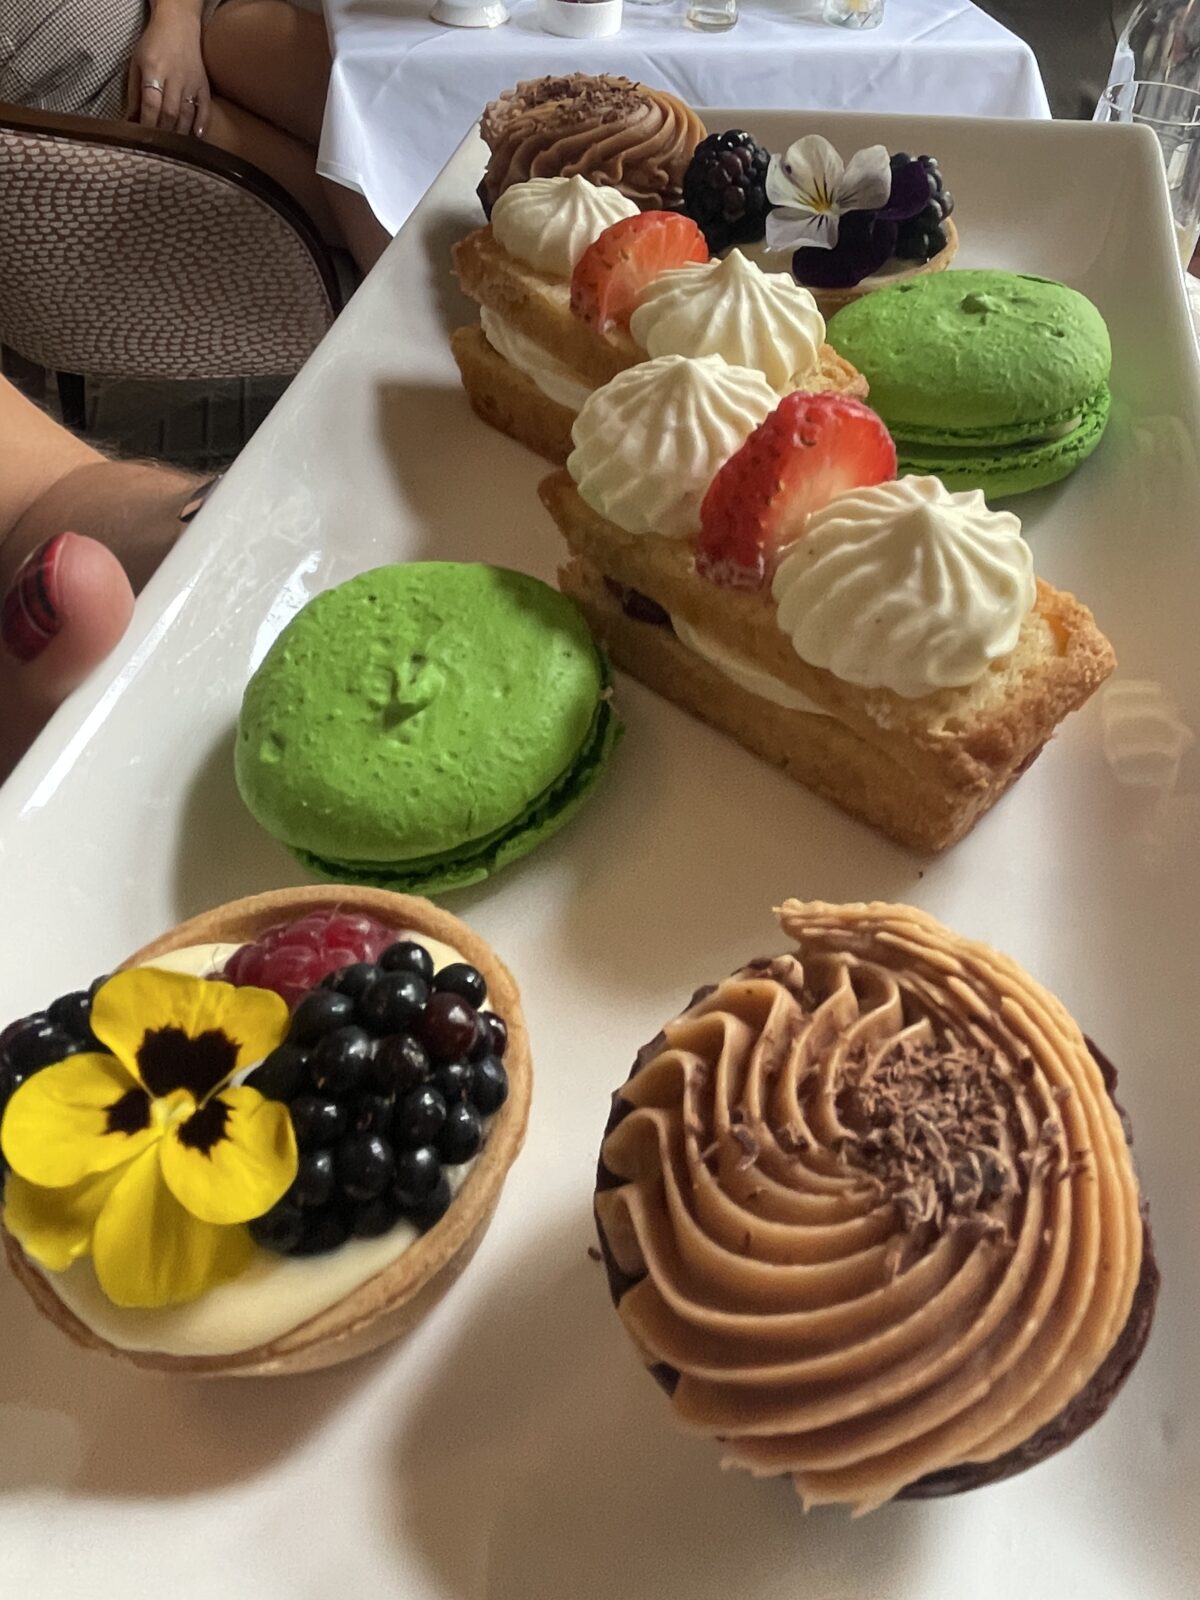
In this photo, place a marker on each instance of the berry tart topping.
(923, 234)
(293, 957)
(810, 449)
(845, 222)
(611, 274)
(725, 189)
(390, 1072)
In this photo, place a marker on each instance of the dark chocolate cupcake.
(870, 1214)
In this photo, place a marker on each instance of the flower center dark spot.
(206, 1127)
(168, 1059)
(129, 1114)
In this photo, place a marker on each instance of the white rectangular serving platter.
(512, 1449)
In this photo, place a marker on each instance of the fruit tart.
(576, 284)
(756, 561)
(847, 226)
(271, 1140)
(870, 1214)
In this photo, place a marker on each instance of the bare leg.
(283, 158)
(273, 60)
(269, 59)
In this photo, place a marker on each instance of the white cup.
(580, 19)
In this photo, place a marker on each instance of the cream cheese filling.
(556, 380)
(276, 1293)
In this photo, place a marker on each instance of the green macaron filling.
(423, 720)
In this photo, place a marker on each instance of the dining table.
(405, 89)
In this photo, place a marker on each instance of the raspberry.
(725, 189)
(292, 957)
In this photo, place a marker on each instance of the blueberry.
(375, 1217)
(937, 240)
(408, 956)
(372, 1113)
(419, 1118)
(318, 1121)
(365, 1165)
(461, 1136)
(449, 1026)
(40, 1043)
(282, 1074)
(493, 1036)
(393, 1003)
(320, 1013)
(323, 1231)
(351, 980)
(417, 1174)
(73, 1014)
(339, 1062)
(313, 1184)
(424, 1213)
(489, 1090)
(453, 1081)
(901, 158)
(281, 1229)
(461, 979)
(947, 202)
(400, 1064)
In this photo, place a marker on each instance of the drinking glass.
(854, 13)
(711, 16)
(1172, 113)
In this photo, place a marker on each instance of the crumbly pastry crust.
(540, 307)
(922, 771)
(831, 301)
(387, 1305)
(870, 1214)
(509, 401)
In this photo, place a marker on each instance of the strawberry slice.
(611, 275)
(811, 448)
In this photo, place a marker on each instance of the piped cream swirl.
(549, 222)
(905, 586)
(734, 310)
(873, 1204)
(650, 441)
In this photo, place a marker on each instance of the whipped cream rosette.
(870, 1213)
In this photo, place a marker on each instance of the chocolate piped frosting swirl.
(609, 129)
(870, 1213)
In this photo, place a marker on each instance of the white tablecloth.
(406, 89)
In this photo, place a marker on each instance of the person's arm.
(51, 481)
(168, 86)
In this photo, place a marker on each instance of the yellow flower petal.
(54, 1226)
(83, 1116)
(233, 1159)
(149, 1251)
(174, 1031)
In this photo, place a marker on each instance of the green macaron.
(422, 726)
(988, 380)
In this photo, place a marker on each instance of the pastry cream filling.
(276, 1293)
(744, 672)
(553, 377)
(875, 1204)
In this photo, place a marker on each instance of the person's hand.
(168, 86)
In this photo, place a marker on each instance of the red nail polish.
(31, 614)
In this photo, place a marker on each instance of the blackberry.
(725, 189)
(922, 236)
(389, 1073)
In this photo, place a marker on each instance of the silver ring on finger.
(153, 83)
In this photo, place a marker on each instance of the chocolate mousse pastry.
(617, 133)
(870, 1214)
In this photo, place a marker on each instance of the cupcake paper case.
(422, 726)
(989, 380)
(870, 1213)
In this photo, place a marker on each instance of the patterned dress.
(68, 55)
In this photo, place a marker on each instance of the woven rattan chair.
(129, 253)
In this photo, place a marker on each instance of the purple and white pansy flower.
(810, 187)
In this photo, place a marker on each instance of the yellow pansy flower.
(150, 1159)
